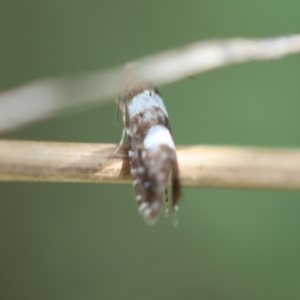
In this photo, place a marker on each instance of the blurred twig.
(204, 166)
(44, 98)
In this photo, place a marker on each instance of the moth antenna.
(190, 76)
(118, 108)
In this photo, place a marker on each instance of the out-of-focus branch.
(44, 98)
(202, 166)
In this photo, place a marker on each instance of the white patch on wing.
(164, 155)
(144, 154)
(133, 171)
(147, 212)
(135, 182)
(161, 176)
(155, 205)
(142, 207)
(128, 131)
(158, 135)
(145, 101)
(141, 170)
(130, 153)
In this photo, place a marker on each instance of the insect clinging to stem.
(152, 151)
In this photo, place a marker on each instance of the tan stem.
(202, 166)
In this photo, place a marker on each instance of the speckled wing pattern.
(152, 151)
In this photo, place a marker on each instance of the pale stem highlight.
(47, 97)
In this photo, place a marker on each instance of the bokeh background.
(87, 241)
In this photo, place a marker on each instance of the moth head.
(131, 92)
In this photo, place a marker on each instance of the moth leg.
(122, 138)
(120, 106)
(166, 204)
(175, 221)
(175, 210)
(121, 142)
(176, 191)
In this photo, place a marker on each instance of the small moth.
(152, 151)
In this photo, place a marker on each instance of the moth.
(152, 151)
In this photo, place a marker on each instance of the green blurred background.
(87, 241)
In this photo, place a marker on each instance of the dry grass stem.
(201, 166)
